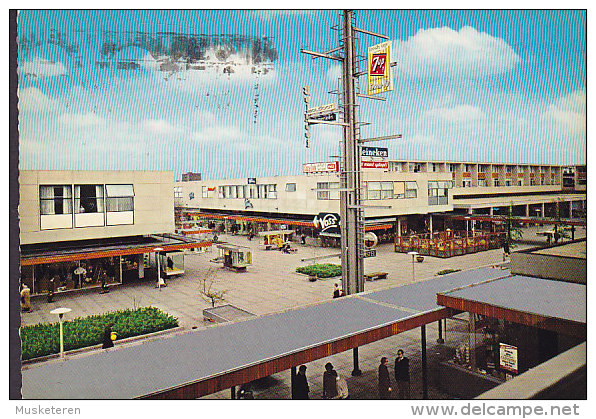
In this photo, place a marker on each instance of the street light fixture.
(414, 254)
(159, 278)
(61, 312)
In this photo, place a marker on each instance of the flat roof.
(543, 303)
(196, 363)
(577, 250)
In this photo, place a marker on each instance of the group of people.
(402, 377)
(334, 386)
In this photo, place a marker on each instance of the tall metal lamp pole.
(61, 312)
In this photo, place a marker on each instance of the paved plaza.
(272, 285)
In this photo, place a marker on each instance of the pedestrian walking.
(51, 289)
(384, 380)
(108, 342)
(402, 375)
(329, 382)
(336, 292)
(25, 298)
(301, 388)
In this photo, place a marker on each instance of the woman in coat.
(329, 382)
(301, 384)
(384, 380)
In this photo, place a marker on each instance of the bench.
(375, 275)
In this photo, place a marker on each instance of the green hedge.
(44, 339)
(323, 270)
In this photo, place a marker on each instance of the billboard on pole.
(379, 68)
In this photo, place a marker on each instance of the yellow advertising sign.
(379, 68)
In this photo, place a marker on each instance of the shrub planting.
(322, 270)
(44, 339)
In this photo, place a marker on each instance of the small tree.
(206, 291)
(560, 228)
(513, 230)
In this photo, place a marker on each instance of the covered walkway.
(198, 363)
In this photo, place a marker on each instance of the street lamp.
(414, 254)
(61, 312)
(159, 278)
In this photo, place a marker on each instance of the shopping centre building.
(399, 196)
(84, 229)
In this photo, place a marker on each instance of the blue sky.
(502, 86)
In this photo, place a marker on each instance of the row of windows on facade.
(467, 183)
(59, 199)
(325, 190)
(270, 191)
(467, 167)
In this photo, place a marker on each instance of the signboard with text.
(508, 357)
(379, 68)
(375, 165)
(375, 152)
(323, 167)
(324, 113)
(370, 253)
(327, 223)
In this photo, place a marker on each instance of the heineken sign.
(375, 152)
(327, 222)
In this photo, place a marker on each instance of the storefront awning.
(105, 249)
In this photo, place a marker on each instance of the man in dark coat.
(402, 375)
(384, 380)
(329, 382)
(301, 384)
(107, 337)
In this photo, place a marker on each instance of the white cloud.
(569, 110)
(460, 113)
(43, 68)
(444, 51)
(160, 126)
(218, 134)
(271, 14)
(333, 73)
(80, 120)
(32, 98)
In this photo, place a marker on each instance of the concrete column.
(141, 266)
(293, 382)
(472, 341)
(356, 371)
(430, 223)
(491, 211)
(440, 339)
(570, 209)
(542, 210)
(398, 226)
(424, 375)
